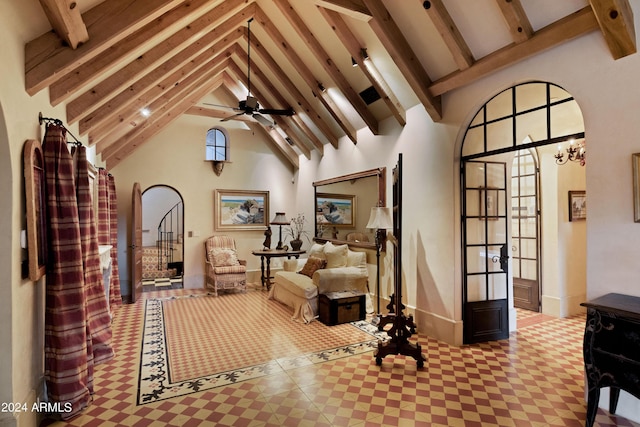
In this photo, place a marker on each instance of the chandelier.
(576, 152)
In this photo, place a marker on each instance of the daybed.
(328, 268)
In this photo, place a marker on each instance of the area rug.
(198, 342)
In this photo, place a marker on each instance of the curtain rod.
(58, 122)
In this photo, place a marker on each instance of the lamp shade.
(280, 219)
(380, 217)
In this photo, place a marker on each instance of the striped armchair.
(223, 268)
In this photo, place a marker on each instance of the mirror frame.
(381, 173)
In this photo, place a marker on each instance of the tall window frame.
(217, 145)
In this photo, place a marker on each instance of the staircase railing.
(170, 226)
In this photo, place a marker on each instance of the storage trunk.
(341, 307)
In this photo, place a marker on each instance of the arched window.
(217, 145)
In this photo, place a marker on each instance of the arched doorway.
(162, 238)
(527, 116)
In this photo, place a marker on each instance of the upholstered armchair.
(223, 268)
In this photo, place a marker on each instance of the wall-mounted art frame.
(636, 186)
(336, 209)
(34, 180)
(577, 205)
(241, 210)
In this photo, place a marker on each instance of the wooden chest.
(341, 307)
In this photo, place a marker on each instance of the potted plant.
(296, 231)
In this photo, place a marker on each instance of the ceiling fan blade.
(231, 117)
(277, 112)
(263, 120)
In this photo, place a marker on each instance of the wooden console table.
(265, 276)
(611, 349)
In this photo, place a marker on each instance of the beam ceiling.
(108, 62)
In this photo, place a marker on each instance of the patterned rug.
(198, 342)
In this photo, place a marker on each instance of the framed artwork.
(241, 210)
(636, 186)
(336, 209)
(36, 209)
(577, 205)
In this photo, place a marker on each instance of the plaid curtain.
(108, 231)
(68, 352)
(97, 309)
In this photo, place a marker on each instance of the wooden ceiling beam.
(48, 59)
(615, 18)
(161, 117)
(328, 64)
(261, 96)
(567, 28)
(354, 8)
(349, 40)
(173, 96)
(211, 25)
(64, 16)
(306, 74)
(293, 92)
(81, 76)
(146, 89)
(449, 32)
(124, 108)
(517, 20)
(404, 57)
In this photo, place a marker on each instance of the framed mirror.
(342, 206)
(36, 209)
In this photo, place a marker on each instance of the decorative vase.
(296, 244)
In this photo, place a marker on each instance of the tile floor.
(535, 378)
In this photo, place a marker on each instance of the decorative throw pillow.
(312, 265)
(317, 250)
(336, 255)
(223, 257)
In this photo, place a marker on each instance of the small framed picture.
(577, 205)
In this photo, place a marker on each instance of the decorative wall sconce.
(576, 152)
(217, 167)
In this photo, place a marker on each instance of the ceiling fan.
(250, 105)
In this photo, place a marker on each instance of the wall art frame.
(577, 205)
(241, 210)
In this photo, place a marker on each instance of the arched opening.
(162, 238)
(500, 217)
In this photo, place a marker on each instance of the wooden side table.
(265, 276)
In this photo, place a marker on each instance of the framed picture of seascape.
(336, 209)
(241, 210)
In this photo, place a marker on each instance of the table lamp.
(280, 219)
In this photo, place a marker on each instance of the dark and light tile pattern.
(535, 378)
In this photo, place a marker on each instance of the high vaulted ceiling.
(108, 60)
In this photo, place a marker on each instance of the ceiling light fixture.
(364, 53)
(354, 64)
(322, 88)
(145, 112)
(575, 153)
